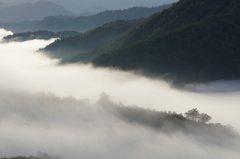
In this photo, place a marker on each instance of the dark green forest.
(193, 41)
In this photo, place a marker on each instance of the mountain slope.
(183, 13)
(193, 41)
(31, 12)
(67, 47)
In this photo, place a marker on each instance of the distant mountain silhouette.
(17, 27)
(82, 24)
(193, 41)
(31, 12)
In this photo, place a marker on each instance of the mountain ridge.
(31, 11)
(82, 23)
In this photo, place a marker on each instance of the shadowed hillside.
(193, 41)
(80, 44)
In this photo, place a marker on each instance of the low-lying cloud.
(55, 109)
(73, 128)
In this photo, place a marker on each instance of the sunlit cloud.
(3, 33)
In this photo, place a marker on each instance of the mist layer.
(56, 109)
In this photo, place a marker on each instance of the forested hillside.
(193, 41)
(80, 44)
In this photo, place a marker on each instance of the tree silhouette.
(204, 118)
(194, 115)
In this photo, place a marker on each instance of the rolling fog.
(57, 110)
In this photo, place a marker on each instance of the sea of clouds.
(58, 110)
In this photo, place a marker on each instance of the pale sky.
(79, 6)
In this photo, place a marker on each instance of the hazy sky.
(78, 6)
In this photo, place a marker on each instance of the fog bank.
(55, 109)
(73, 129)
